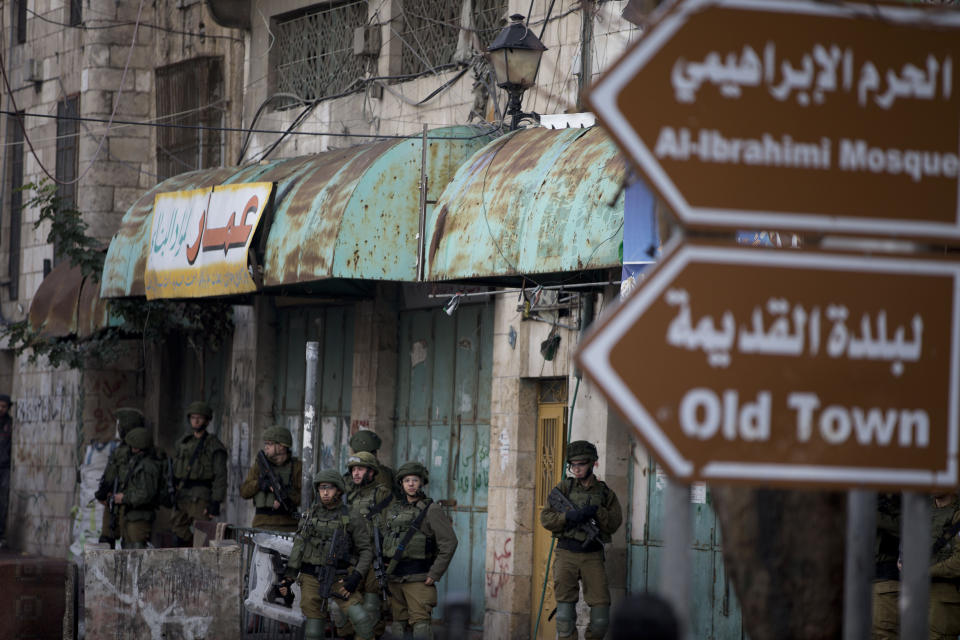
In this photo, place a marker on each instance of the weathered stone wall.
(189, 593)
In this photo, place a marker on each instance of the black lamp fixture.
(515, 55)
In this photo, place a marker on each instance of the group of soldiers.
(139, 478)
(371, 536)
(944, 571)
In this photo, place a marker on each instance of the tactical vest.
(398, 518)
(597, 494)
(362, 499)
(202, 468)
(284, 473)
(317, 531)
(943, 532)
(118, 460)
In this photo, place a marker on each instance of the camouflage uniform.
(128, 419)
(362, 498)
(311, 548)
(427, 553)
(366, 440)
(945, 572)
(886, 581)
(202, 485)
(257, 486)
(575, 564)
(139, 484)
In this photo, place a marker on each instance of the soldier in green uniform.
(312, 550)
(127, 419)
(575, 563)
(137, 490)
(200, 474)
(366, 440)
(367, 499)
(418, 543)
(270, 513)
(945, 568)
(886, 579)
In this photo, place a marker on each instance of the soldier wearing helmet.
(365, 440)
(418, 544)
(135, 497)
(577, 558)
(270, 510)
(200, 474)
(311, 554)
(367, 499)
(127, 419)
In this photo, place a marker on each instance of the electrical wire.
(116, 104)
(116, 25)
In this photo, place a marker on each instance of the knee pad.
(599, 621)
(566, 619)
(371, 603)
(422, 631)
(339, 620)
(362, 624)
(313, 629)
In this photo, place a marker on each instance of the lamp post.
(515, 55)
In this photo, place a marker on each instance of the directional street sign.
(795, 115)
(788, 367)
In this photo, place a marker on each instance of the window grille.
(76, 13)
(189, 93)
(67, 156)
(430, 32)
(20, 20)
(489, 18)
(15, 164)
(313, 52)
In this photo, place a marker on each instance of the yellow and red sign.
(200, 240)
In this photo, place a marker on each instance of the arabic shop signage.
(795, 115)
(200, 239)
(796, 368)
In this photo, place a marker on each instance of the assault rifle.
(378, 569)
(561, 503)
(171, 489)
(278, 491)
(113, 506)
(338, 550)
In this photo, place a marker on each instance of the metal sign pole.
(915, 573)
(676, 567)
(309, 424)
(859, 563)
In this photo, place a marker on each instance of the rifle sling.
(414, 527)
(948, 533)
(380, 506)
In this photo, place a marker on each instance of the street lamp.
(515, 54)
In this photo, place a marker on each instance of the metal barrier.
(254, 625)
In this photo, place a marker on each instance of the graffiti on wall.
(497, 578)
(103, 392)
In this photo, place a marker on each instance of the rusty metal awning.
(68, 304)
(539, 201)
(344, 215)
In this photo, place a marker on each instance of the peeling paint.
(418, 353)
(504, 450)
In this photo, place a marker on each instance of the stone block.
(97, 55)
(95, 200)
(182, 593)
(144, 80)
(130, 147)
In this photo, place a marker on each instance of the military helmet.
(128, 418)
(278, 434)
(201, 408)
(412, 469)
(139, 438)
(365, 440)
(580, 450)
(329, 476)
(363, 459)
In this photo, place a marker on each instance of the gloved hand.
(213, 508)
(283, 587)
(101, 494)
(574, 516)
(264, 483)
(352, 581)
(589, 511)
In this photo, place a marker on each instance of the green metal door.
(714, 611)
(443, 421)
(332, 327)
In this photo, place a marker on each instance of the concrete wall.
(187, 593)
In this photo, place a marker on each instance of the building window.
(20, 20)
(15, 167)
(76, 15)
(430, 32)
(313, 52)
(68, 149)
(190, 94)
(489, 18)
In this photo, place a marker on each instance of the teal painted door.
(715, 613)
(332, 327)
(443, 421)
